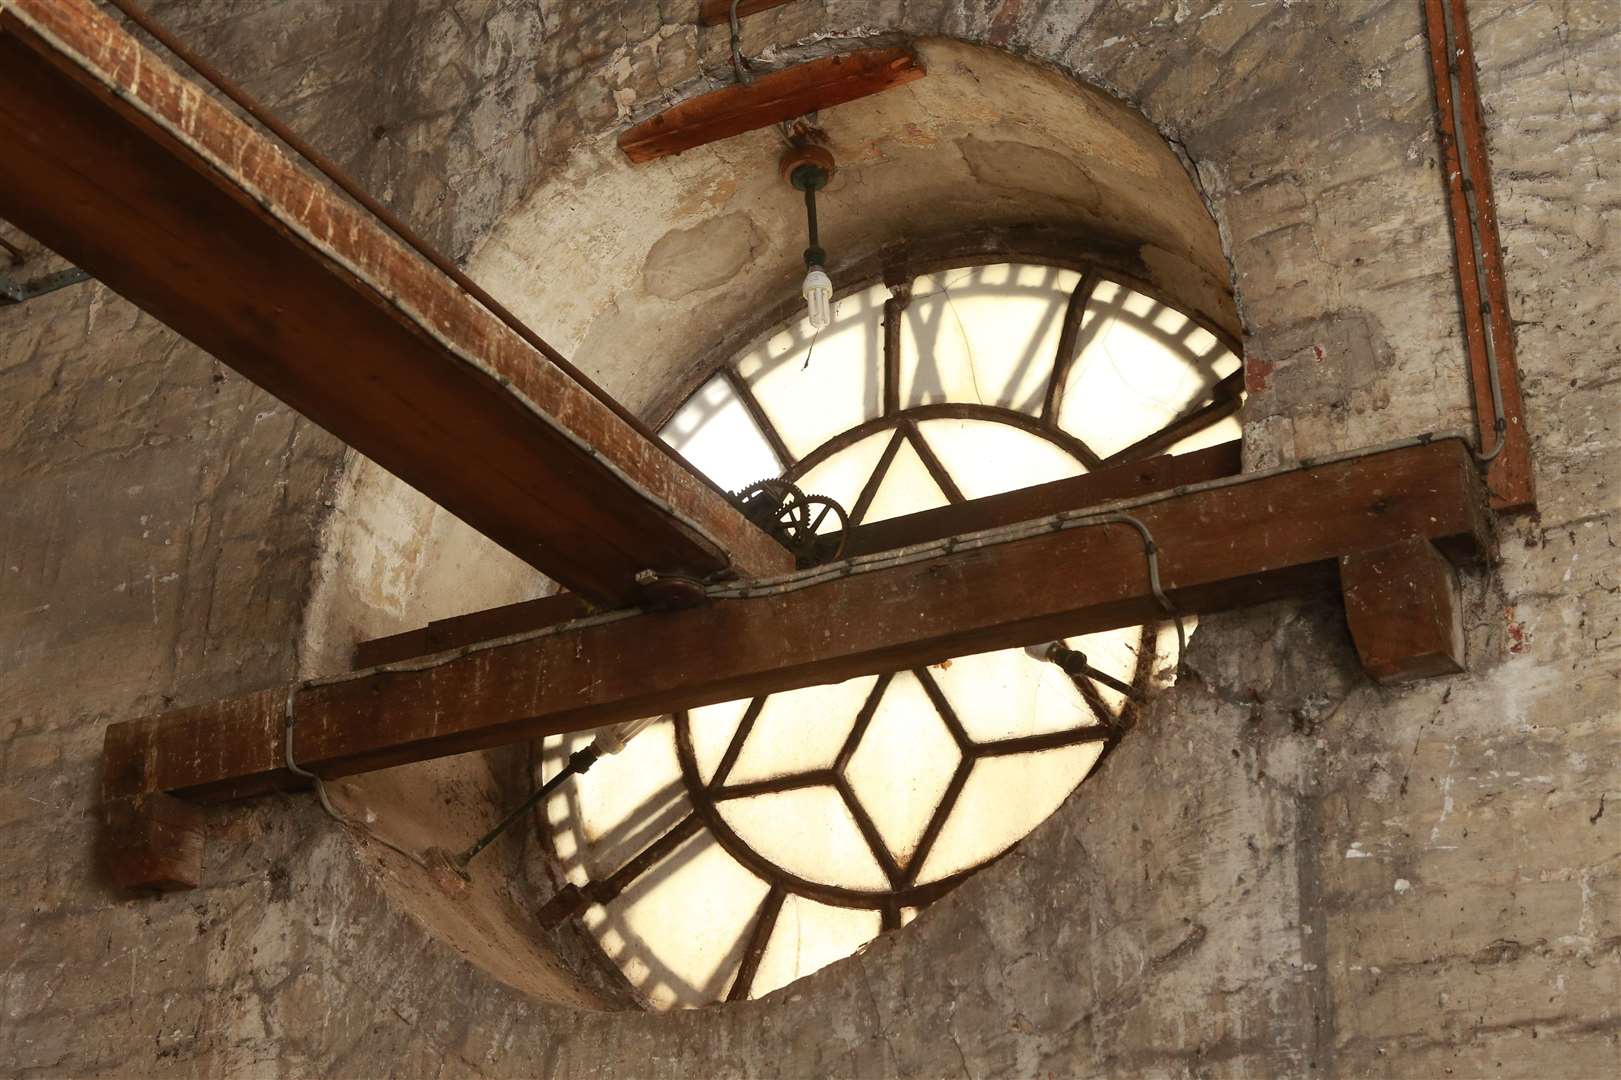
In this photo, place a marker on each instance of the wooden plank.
(143, 179)
(459, 630)
(769, 99)
(1058, 496)
(1510, 475)
(1403, 606)
(1230, 543)
(718, 12)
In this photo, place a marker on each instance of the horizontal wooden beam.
(144, 180)
(1223, 544)
(715, 12)
(1076, 492)
(769, 99)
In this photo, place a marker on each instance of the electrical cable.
(1452, 122)
(320, 789)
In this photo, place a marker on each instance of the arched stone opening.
(646, 277)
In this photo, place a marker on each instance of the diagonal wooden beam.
(1039, 500)
(1228, 543)
(769, 99)
(142, 178)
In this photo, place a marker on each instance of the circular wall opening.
(1006, 193)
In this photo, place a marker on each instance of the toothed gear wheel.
(796, 520)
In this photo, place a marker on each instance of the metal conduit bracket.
(13, 291)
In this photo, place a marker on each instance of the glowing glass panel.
(983, 334)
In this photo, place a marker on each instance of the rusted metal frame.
(1226, 399)
(765, 921)
(718, 12)
(869, 490)
(1046, 245)
(751, 404)
(20, 292)
(773, 785)
(1069, 345)
(869, 832)
(1474, 221)
(863, 720)
(937, 823)
(936, 468)
(894, 315)
(735, 846)
(330, 169)
(102, 101)
(1280, 534)
(1094, 698)
(1046, 740)
(1097, 675)
(943, 706)
(1055, 496)
(571, 898)
(739, 737)
(946, 410)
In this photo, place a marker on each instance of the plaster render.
(1284, 870)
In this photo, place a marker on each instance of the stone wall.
(1284, 870)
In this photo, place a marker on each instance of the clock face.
(759, 840)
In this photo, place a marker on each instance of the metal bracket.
(17, 292)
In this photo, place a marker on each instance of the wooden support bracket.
(1403, 606)
(151, 841)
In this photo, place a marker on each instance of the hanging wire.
(320, 788)
(739, 67)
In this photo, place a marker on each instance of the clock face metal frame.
(936, 423)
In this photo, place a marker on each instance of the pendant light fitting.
(808, 166)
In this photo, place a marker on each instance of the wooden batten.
(718, 12)
(771, 98)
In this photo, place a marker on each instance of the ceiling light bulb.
(818, 294)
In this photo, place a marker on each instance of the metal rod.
(578, 762)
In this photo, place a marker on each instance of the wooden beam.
(147, 182)
(1058, 496)
(459, 630)
(717, 12)
(1404, 609)
(769, 99)
(1234, 542)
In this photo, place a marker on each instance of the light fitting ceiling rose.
(808, 166)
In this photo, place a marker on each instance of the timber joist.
(146, 181)
(1221, 544)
